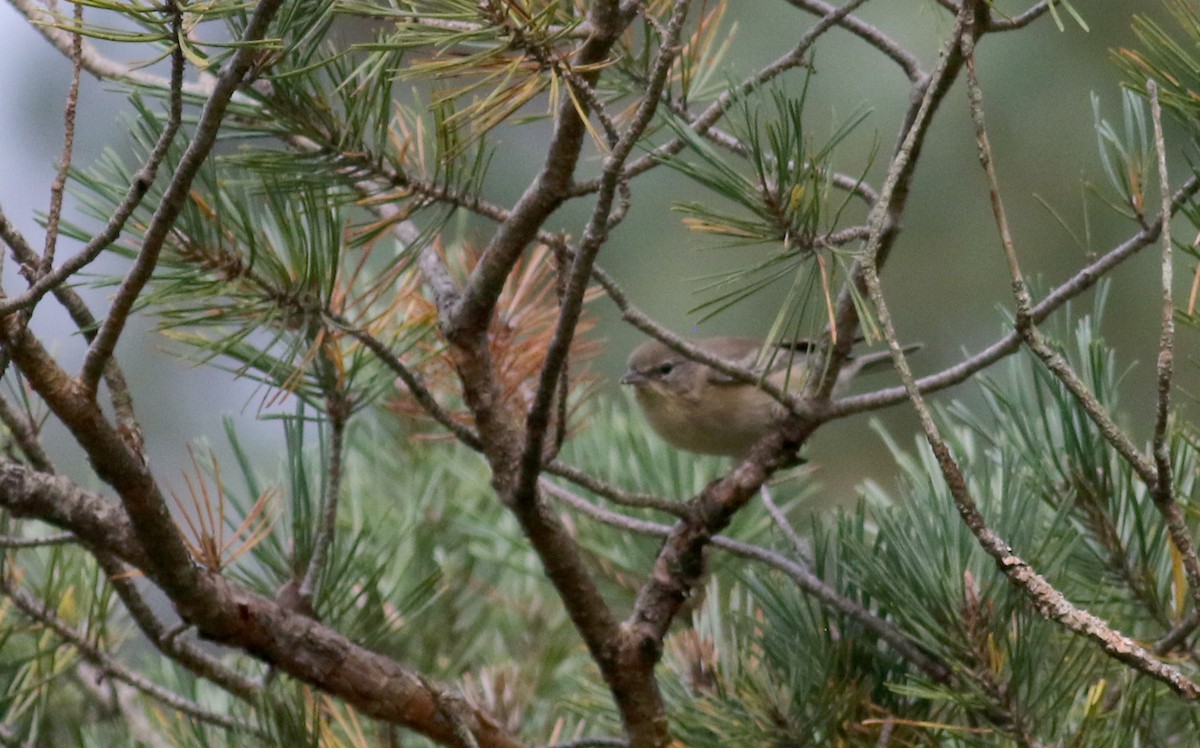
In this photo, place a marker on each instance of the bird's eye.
(665, 369)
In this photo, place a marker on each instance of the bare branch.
(614, 494)
(65, 538)
(1158, 477)
(868, 33)
(338, 413)
(1163, 490)
(1035, 11)
(411, 379)
(120, 699)
(101, 240)
(781, 521)
(640, 320)
(24, 432)
(1166, 346)
(64, 162)
(47, 24)
(122, 401)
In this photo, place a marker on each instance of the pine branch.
(1046, 598)
(175, 194)
(310, 651)
(40, 612)
(338, 413)
(52, 279)
(12, 543)
(704, 124)
(547, 191)
(795, 569)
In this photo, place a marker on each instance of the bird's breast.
(728, 423)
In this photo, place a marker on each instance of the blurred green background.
(946, 279)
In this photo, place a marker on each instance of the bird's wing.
(741, 352)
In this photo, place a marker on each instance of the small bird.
(700, 409)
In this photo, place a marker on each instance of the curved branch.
(797, 571)
(868, 33)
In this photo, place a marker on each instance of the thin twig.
(642, 321)
(167, 641)
(468, 314)
(703, 123)
(15, 543)
(614, 494)
(1035, 11)
(1179, 634)
(1160, 483)
(926, 96)
(868, 33)
(54, 214)
(1163, 490)
(51, 279)
(40, 612)
(1081, 281)
(50, 27)
(175, 194)
(411, 379)
(25, 433)
(119, 698)
(77, 309)
(338, 413)
(781, 521)
(1166, 344)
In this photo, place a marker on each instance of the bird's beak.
(633, 377)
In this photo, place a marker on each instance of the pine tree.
(468, 540)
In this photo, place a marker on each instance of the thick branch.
(294, 643)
